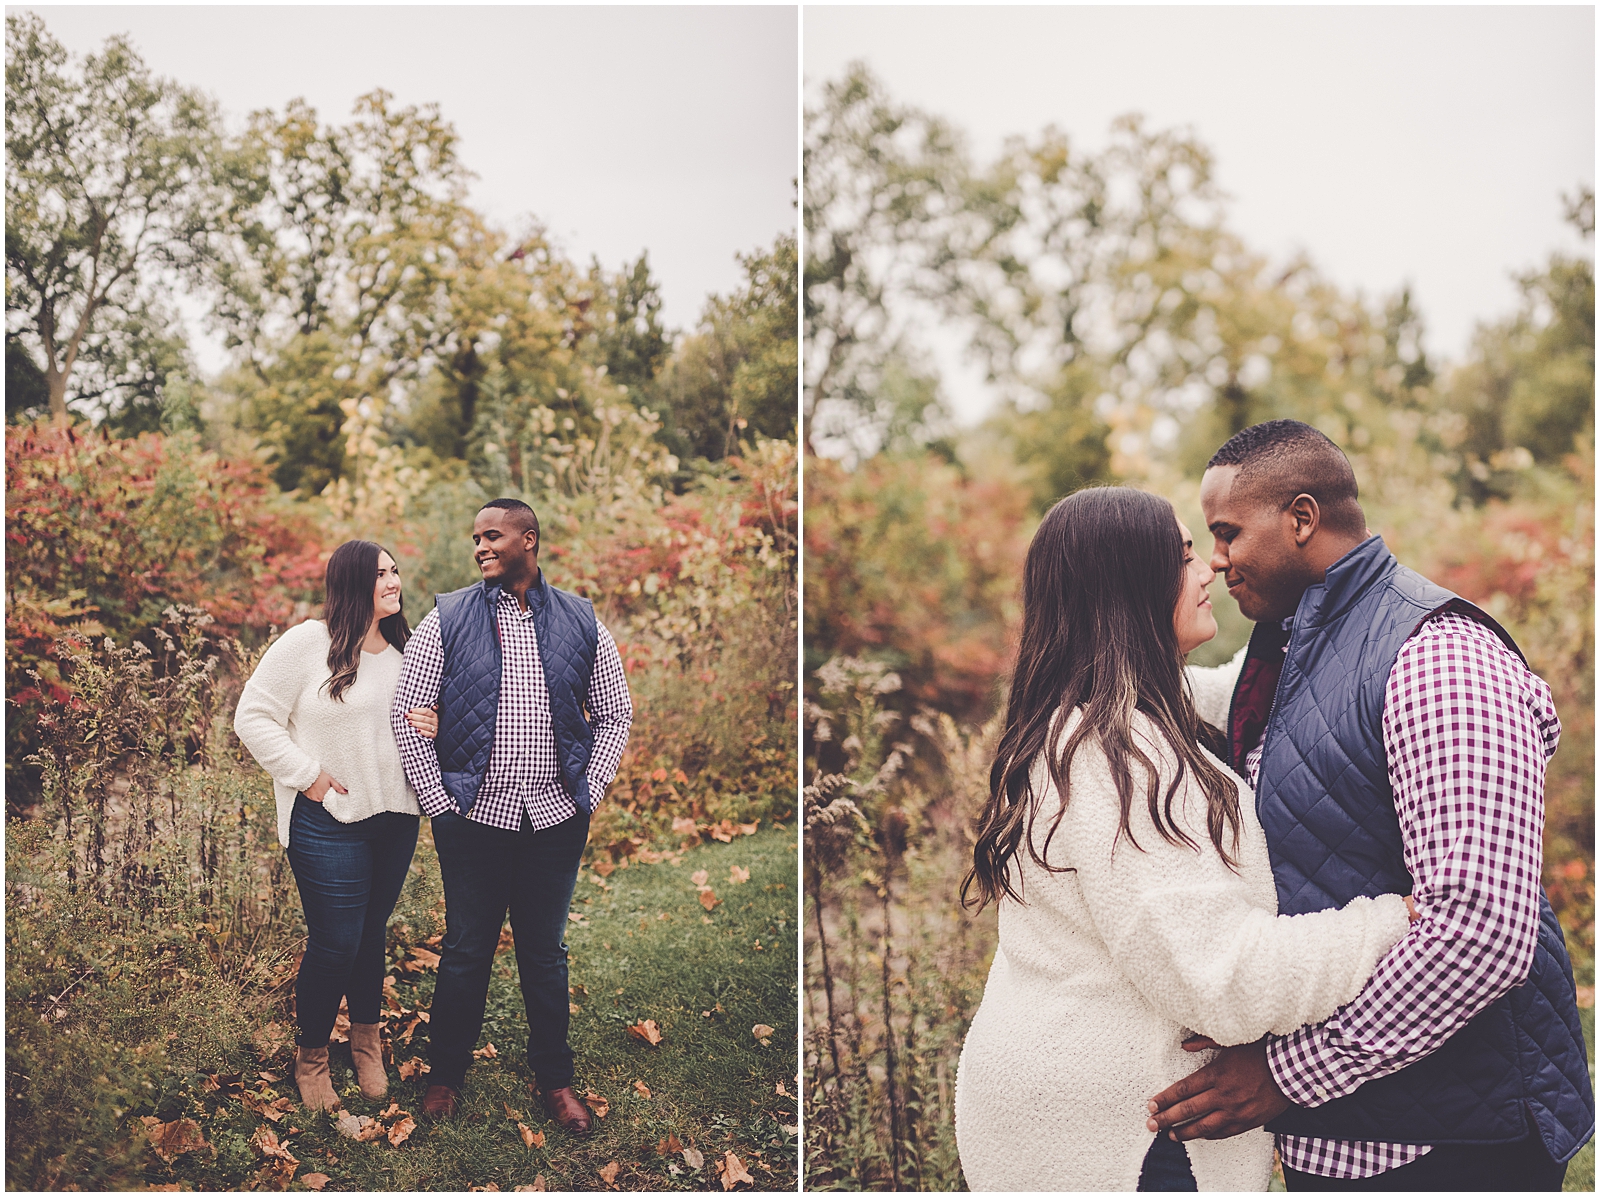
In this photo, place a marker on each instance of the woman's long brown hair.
(1100, 588)
(351, 578)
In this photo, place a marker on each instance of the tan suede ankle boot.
(311, 1074)
(366, 1052)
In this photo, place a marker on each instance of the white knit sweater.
(295, 731)
(1103, 971)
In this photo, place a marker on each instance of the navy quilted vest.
(1326, 806)
(469, 692)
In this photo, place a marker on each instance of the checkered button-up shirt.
(523, 773)
(1468, 729)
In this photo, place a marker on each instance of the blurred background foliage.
(394, 361)
(1126, 332)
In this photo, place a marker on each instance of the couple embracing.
(502, 717)
(1314, 871)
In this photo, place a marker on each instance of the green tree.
(111, 196)
(739, 370)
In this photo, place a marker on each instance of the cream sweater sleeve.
(1212, 688)
(261, 720)
(1190, 934)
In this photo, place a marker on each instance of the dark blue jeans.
(486, 872)
(349, 876)
(1166, 1168)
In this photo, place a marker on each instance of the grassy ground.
(643, 947)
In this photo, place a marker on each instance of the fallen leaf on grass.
(709, 900)
(514, 1115)
(412, 1067)
(360, 1127)
(315, 1180)
(271, 1077)
(272, 1039)
(699, 877)
(642, 1089)
(781, 1091)
(274, 1175)
(737, 875)
(267, 1146)
(762, 1032)
(604, 867)
(722, 831)
(172, 1139)
(733, 1172)
(536, 1187)
(486, 1052)
(394, 1109)
(609, 1173)
(401, 1131)
(647, 1030)
(574, 917)
(419, 960)
(669, 1146)
(693, 1158)
(748, 828)
(341, 1027)
(574, 1008)
(530, 1137)
(598, 1104)
(683, 826)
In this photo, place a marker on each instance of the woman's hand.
(425, 720)
(1411, 908)
(318, 790)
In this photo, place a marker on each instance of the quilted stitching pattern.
(1328, 812)
(470, 690)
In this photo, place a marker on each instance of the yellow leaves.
(763, 1033)
(642, 1089)
(646, 1030)
(598, 1104)
(709, 900)
(172, 1139)
(738, 875)
(609, 1174)
(733, 1172)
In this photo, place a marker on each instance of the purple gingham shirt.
(1468, 729)
(523, 774)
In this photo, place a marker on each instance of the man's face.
(1254, 548)
(502, 549)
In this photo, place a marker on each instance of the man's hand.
(1232, 1094)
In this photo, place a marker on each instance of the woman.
(1135, 895)
(315, 715)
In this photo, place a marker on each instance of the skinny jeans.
(349, 876)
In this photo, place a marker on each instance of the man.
(1397, 742)
(533, 717)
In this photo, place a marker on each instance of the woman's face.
(386, 594)
(1193, 620)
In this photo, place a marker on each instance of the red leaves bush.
(103, 534)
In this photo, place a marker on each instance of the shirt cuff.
(1303, 1067)
(437, 802)
(315, 771)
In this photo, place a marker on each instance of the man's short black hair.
(1280, 459)
(520, 512)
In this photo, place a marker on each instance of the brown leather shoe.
(440, 1102)
(568, 1111)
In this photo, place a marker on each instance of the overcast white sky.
(668, 129)
(1414, 144)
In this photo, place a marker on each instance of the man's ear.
(534, 547)
(1305, 517)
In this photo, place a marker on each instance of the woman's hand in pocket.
(318, 790)
(425, 720)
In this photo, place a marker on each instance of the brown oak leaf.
(530, 1137)
(486, 1052)
(598, 1104)
(172, 1139)
(274, 1176)
(609, 1174)
(642, 1089)
(699, 877)
(647, 1030)
(265, 1142)
(315, 1181)
(709, 900)
(748, 828)
(669, 1146)
(412, 1067)
(738, 875)
(401, 1131)
(733, 1172)
(762, 1032)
